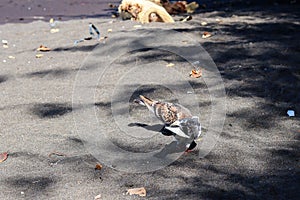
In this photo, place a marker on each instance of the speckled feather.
(168, 113)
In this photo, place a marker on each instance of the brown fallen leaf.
(139, 191)
(98, 166)
(43, 48)
(206, 35)
(3, 156)
(196, 73)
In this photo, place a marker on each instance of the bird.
(177, 119)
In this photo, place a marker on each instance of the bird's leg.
(191, 147)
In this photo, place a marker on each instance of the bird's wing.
(166, 112)
(178, 131)
(182, 112)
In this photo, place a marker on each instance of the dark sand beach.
(255, 47)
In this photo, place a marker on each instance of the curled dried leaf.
(43, 48)
(3, 156)
(196, 73)
(206, 35)
(138, 191)
(98, 166)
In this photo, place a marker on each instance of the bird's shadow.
(171, 148)
(156, 128)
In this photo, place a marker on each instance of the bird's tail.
(144, 101)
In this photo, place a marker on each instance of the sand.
(256, 155)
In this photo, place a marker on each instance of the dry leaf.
(54, 30)
(43, 48)
(170, 65)
(97, 197)
(11, 57)
(5, 46)
(203, 23)
(98, 166)
(39, 55)
(3, 156)
(196, 73)
(109, 30)
(139, 191)
(206, 35)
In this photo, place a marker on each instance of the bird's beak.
(147, 102)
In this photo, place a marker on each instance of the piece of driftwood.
(145, 11)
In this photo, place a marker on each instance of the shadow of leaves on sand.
(31, 184)
(53, 73)
(3, 78)
(51, 110)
